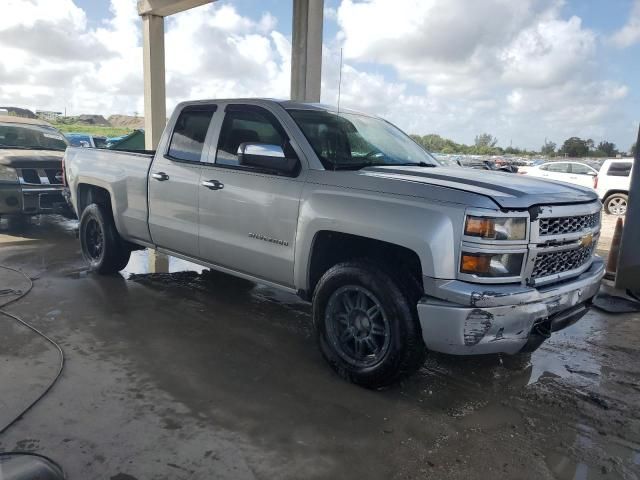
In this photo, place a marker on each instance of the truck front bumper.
(470, 319)
(19, 199)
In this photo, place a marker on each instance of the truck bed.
(123, 174)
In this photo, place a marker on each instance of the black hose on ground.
(51, 384)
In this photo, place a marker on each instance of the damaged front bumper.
(463, 318)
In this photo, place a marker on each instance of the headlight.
(492, 228)
(492, 264)
(8, 174)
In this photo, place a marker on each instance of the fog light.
(476, 326)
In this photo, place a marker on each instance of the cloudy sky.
(522, 70)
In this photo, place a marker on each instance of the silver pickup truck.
(398, 255)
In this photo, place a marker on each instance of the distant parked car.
(571, 172)
(130, 141)
(447, 161)
(613, 183)
(491, 165)
(86, 140)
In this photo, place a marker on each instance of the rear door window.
(189, 133)
(619, 169)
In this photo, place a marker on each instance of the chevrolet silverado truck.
(31, 179)
(398, 255)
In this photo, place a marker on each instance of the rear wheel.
(367, 326)
(616, 204)
(101, 244)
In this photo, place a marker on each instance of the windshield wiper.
(353, 166)
(413, 164)
(358, 166)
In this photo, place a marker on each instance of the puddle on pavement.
(565, 355)
(568, 354)
(142, 262)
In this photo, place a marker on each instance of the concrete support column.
(155, 108)
(306, 50)
(158, 262)
(628, 273)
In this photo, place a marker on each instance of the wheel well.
(613, 192)
(88, 194)
(330, 248)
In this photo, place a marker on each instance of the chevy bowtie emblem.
(587, 240)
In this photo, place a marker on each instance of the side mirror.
(84, 144)
(267, 157)
(592, 174)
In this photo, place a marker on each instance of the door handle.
(160, 176)
(213, 184)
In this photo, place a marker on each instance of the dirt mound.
(93, 120)
(126, 121)
(20, 112)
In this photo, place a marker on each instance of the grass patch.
(92, 129)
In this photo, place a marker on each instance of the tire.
(369, 347)
(616, 204)
(101, 244)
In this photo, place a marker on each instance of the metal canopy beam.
(164, 8)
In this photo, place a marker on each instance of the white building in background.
(48, 115)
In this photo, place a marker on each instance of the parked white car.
(571, 172)
(613, 183)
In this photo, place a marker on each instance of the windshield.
(352, 141)
(39, 137)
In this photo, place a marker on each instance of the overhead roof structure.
(306, 56)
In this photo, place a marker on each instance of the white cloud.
(211, 51)
(519, 70)
(629, 34)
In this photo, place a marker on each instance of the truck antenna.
(340, 80)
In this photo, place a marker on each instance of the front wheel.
(616, 204)
(367, 326)
(101, 244)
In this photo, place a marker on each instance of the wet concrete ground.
(199, 375)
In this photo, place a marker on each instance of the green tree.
(549, 148)
(575, 147)
(608, 148)
(633, 150)
(485, 140)
(590, 144)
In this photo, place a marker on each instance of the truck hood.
(19, 158)
(507, 190)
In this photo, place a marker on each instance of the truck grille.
(36, 176)
(563, 261)
(562, 225)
